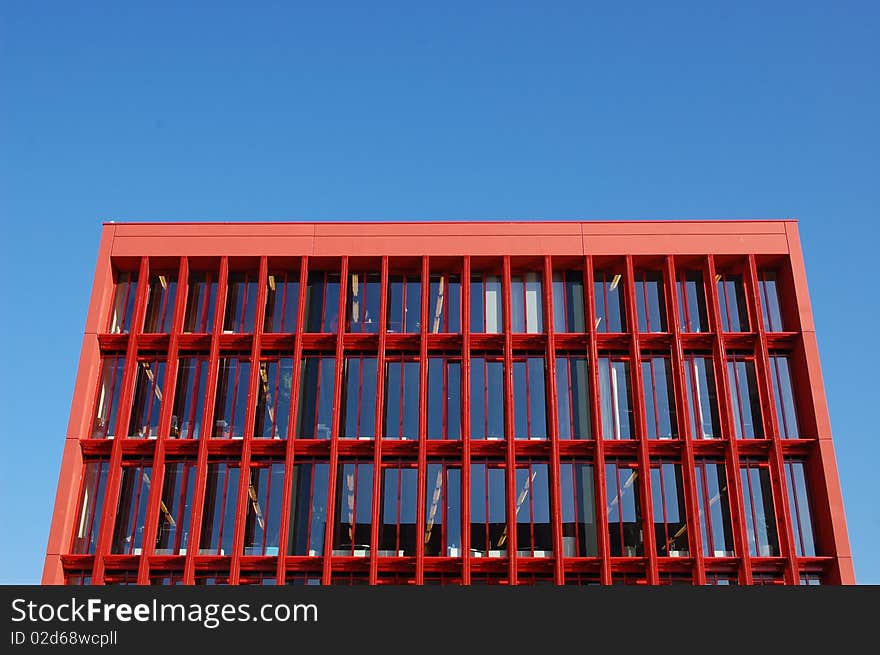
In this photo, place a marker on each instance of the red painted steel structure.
(746, 249)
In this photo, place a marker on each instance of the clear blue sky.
(468, 110)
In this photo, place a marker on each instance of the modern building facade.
(449, 402)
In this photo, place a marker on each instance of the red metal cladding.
(594, 402)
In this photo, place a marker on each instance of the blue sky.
(557, 110)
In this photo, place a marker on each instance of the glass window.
(218, 515)
(526, 303)
(364, 298)
(444, 398)
(315, 414)
(308, 514)
(263, 519)
(659, 398)
(786, 411)
(175, 510)
(714, 503)
(529, 404)
(443, 509)
(397, 512)
(241, 302)
(692, 302)
(189, 398)
(404, 303)
(354, 508)
(579, 529)
(670, 512)
(282, 302)
(230, 403)
(699, 377)
(721, 580)
(573, 397)
(768, 288)
(107, 401)
(650, 302)
(160, 303)
(401, 399)
(444, 304)
(486, 303)
(322, 302)
(91, 504)
(147, 403)
(759, 512)
(488, 509)
(359, 395)
(131, 513)
(610, 303)
(534, 535)
(744, 400)
(201, 301)
(487, 398)
(273, 399)
(568, 301)
(255, 578)
(807, 579)
(616, 398)
(732, 302)
(799, 508)
(124, 297)
(624, 509)
(78, 578)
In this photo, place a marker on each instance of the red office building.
(449, 403)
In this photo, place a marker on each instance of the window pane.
(526, 302)
(263, 519)
(714, 501)
(650, 302)
(488, 510)
(201, 300)
(172, 537)
(404, 303)
(160, 303)
(568, 301)
(401, 400)
(315, 413)
(759, 512)
(692, 302)
(579, 530)
(107, 401)
(786, 412)
(732, 301)
(147, 404)
(670, 513)
(131, 513)
(90, 507)
(358, 415)
(241, 302)
(769, 290)
(659, 398)
(282, 301)
(308, 514)
(624, 509)
(615, 394)
(218, 518)
(444, 307)
(487, 398)
(534, 536)
(363, 302)
(444, 398)
(124, 296)
(354, 507)
(573, 397)
(610, 310)
(230, 404)
(530, 419)
(322, 302)
(799, 508)
(443, 510)
(399, 498)
(486, 304)
(744, 398)
(273, 399)
(702, 397)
